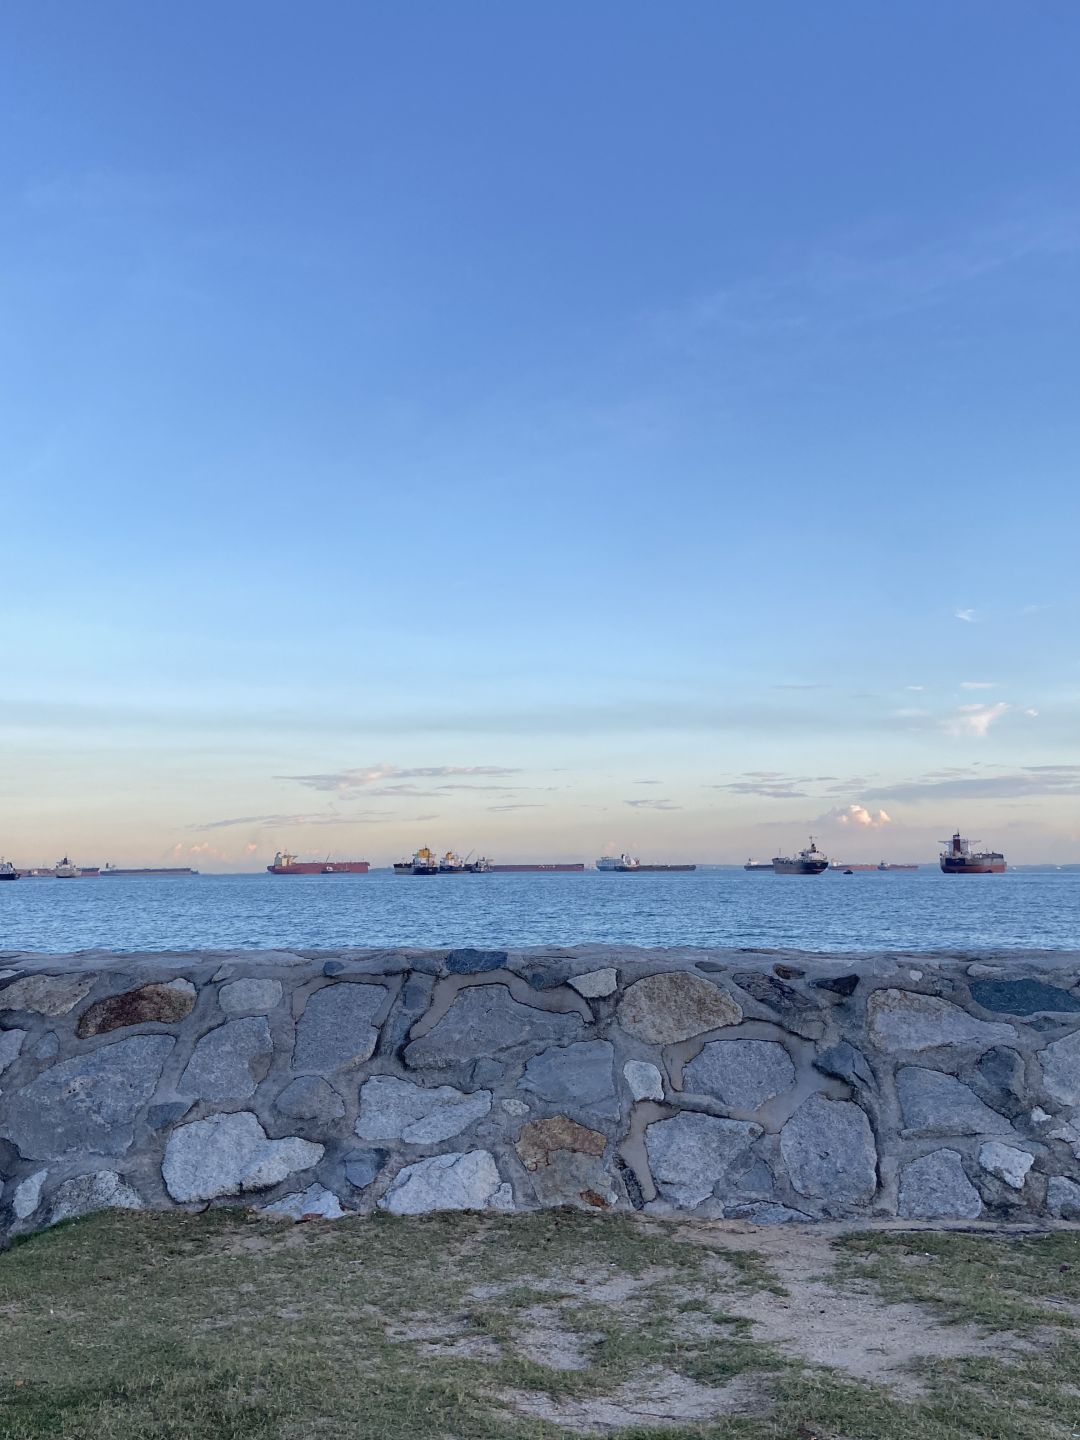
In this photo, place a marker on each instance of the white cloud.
(968, 615)
(856, 815)
(975, 719)
(1031, 711)
(977, 684)
(914, 687)
(344, 781)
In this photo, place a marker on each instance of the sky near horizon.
(538, 430)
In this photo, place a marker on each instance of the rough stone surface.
(937, 1104)
(937, 1188)
(595, 984)
(580, 1076)
(229, 1155)
(456, 1180)
(51, 995)
(48, 1047)
(1006, 1162)
(828, 1148)
(766, 1213)
(539, 1140)
(644, 1080)
(392, 1109)
(485, 1020)
(767, 990)
(907, 1020)
(1061, 1069)
(1001, 1072)
(844, 985)
(10, 1044)
(249, 997)
(27, 1196)
(741, 1074)
(88, 1102)
(475, 962)
(158, 1117)
(315, 1200)
(336, 1029)
(166, 1004)
(361, 1166)
(1023, 997)
(1063, 1198)
(846, 1063)
(690, 1155)
(228, 1063)
(676, 1005)
(309, 1097)
(103, 1190)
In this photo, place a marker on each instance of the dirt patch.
(657, 1397)
(542, 1339)
(592, 1285)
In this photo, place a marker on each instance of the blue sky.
(540, 429)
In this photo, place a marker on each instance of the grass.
(226, 1327)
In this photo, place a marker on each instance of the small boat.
(7, 870)
(807, 862)
(65, 870)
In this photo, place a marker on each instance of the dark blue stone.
(361, 1166)
(333, 967)
(1022, 997)
(472, 962)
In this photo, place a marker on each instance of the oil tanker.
(960, 859)
(539, 869)
(286, 864)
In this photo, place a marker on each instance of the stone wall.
(721, 1083)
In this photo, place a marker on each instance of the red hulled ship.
(286, 864)
(960, 859)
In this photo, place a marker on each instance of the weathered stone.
(581, 1076)
(828, 1148)
(474, 962)
(1006, 1163)
(1069, 1131)
(457, 1180)
(487, 1072)
(10, 1045)
(644, 1080)
(1061, 1069)
(103, 1190)
(228, 1155)
(48, 1047)
(741, 1074)
(573, 1177)
(846, 1063)
(392, 1109)
(760, 1212)
(27, 1195)
(309, 1097)
(315, 1200)
(788, 972)
(486, 1020)
(50, 995)
(844, 985)
(336, 1029)
(1001, 1072)
(906, 1020)
(595, 984)
(1063, 1198)
(675, 1005)
(166, 1004)
(545, 976)
(937, 1104)
(539, 1140)
(252, 996)
(691, 1154)
(86, 1103)
(1023, 997)
(767, 990)
(361, 1166)
(515, 1107)
(978, 968)
(936, 1188)
(228, 1063)
(158, 1117)
(333, 967)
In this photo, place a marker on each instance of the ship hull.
(799, 867)
(764, 866)
(538, 869)
(972, 866)
(647, 869)
(152, 870)
(321, 867)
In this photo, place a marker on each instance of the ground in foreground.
(173, 1327)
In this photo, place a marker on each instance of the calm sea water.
(710, 907)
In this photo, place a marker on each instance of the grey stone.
(844, 985)
(1023, 997)
(767, 990)
(1061, 1069)
(936, 1188)
(1006, 1162)
(937, 1104)
(579, 1077)
(1001, 1072)
(10, 1045)
(103, 1190)
(333, 967)
(675, 1005)
(644, 1080)
(158, 1117)
(741, 1074)
(48, 1047)
(595, 984)
(51, 995)
(487, 1072)
(474, 962)
(309, 1097)
(907, 1020)
(486, 1020)
(249, 997)
(28, 1195)
(757, 1179)
(573, 1178)
(228, 1063)
(392, 1109)
(229, 1155)
(545, 977)
(763, 1213)
(457, 1180)
(846, 1063)
(1063, 1198)
(88, 1102)
(336, 1029)
(315, 1200)
(691, 1154)
(164, 1003)
(828, 1148)
(361, 1166)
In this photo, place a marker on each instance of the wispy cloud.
(974, 720)
(366, 776)
(276, 821)
(653, 804)
(977, 684)
(973, 785)
(769, 790)
(517, 805)
(967, 615)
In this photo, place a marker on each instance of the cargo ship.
(7, 870)
(807, 862)
(149, 870)
(960, 859)
(850, 867)
(753, 864)
(538, 869)
(627, 864)
(65, 870)
(286, 864)
(425, 862)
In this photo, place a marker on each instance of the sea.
(714, 906)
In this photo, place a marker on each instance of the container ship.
(807, 862)
(286, 864)
(960, 859)
(149, 870)
(626, 864)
